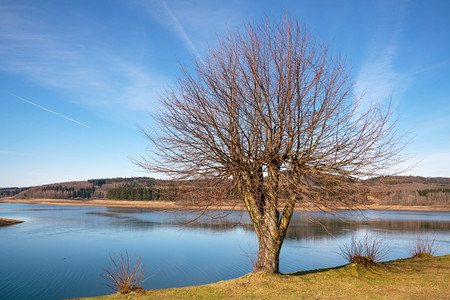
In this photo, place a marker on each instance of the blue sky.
(77, 78)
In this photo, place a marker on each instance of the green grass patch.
(412, 278)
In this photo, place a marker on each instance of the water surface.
(60, 251)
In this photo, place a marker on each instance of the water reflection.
(119, 221)
(337, 227)
(60, 251)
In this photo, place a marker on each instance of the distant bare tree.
(269, 118)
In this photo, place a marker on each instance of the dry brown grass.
(423, 247)
(365, 251)
(123, 277)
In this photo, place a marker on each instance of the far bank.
(172, 205)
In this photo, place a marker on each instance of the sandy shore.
(409, 208)
(6, 222)
(96, 202)
(170, 205)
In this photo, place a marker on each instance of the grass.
(420, 278)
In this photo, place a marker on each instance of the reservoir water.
(60, 251)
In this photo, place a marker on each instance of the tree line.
(425, 192)
(10, 192)
(415, 197)
(138, 194)
(129, 181)
(406, 191)
(71, 192)
(127, 193)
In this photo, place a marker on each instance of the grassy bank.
(423, 278)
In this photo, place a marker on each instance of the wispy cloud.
(95, 71)
(378, 78)
(16, 153)
(120, 73)
(50, 111)
(434, 164)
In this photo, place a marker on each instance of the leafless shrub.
(422, 247)
(367, 250)
(123, 277)
(251, 255)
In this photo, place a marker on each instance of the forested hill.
(391, 190)
(135, 188)
(408, 190)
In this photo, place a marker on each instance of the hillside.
(136, 188)
(391, 190)
(408, 190)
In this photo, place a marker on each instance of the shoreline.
(421, 278)
(8, 222)
(171, 205)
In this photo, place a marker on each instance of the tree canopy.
(269, 118)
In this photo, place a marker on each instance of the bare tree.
(269, 118)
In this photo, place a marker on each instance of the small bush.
(422, 247)
(121, 276)
(365, 251)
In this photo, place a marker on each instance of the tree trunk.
(268, 255)
(267, 226)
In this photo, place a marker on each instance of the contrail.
(179, 30)
(50, 111)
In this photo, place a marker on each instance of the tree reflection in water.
(304, 225)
